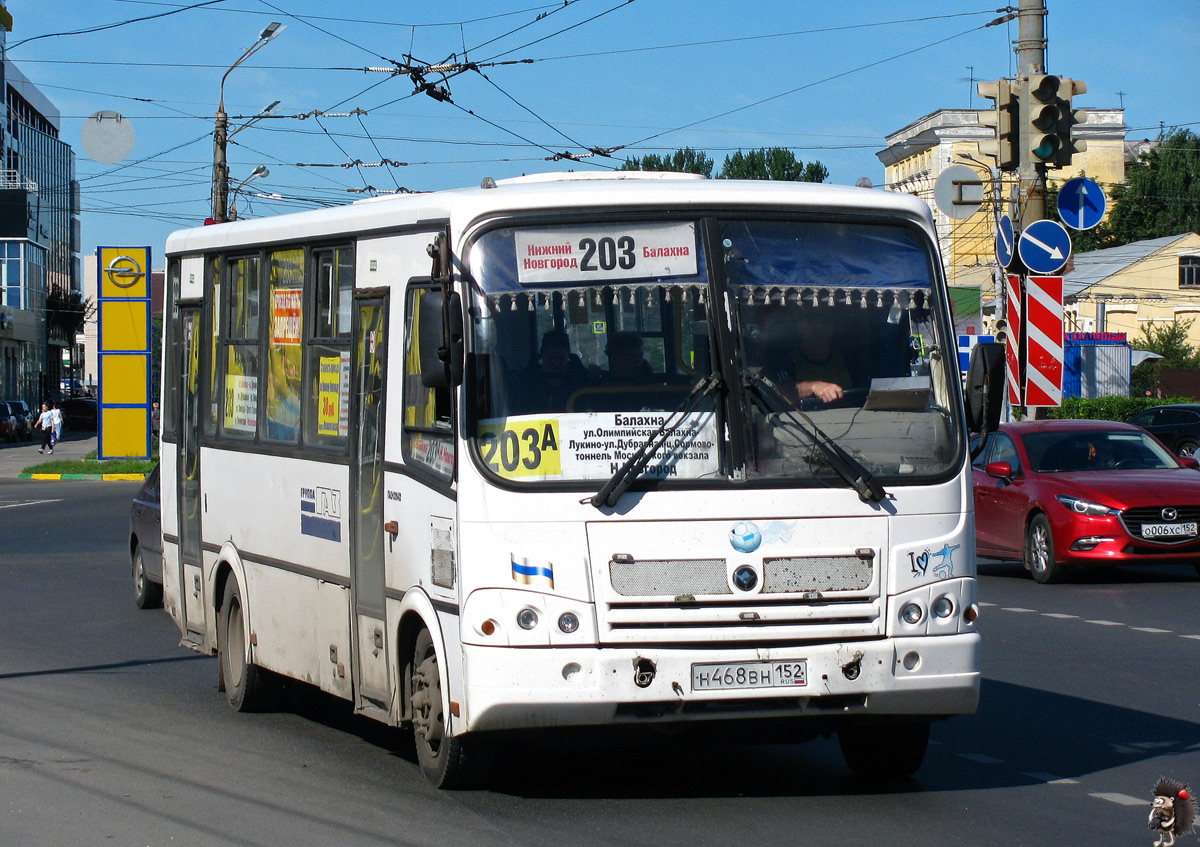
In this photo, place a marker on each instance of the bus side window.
(428, 431)
(330, 276)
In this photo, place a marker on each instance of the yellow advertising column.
(123, 307)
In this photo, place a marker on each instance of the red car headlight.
(1086, 507)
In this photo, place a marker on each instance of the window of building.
(11, 280)
(1189, 271)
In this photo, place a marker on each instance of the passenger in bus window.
(627, 363)
(547, 383)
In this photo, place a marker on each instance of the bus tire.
(443, 758)
(147, 593)
(248, 688)
(884, 751)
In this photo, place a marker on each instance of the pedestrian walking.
(45, 423)
(57, 419)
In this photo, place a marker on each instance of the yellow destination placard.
(522, 448)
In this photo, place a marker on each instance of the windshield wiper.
(633, 467)
(850, 469)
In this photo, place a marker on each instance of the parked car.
(145, 544)
(9, 426)
(22, 411)
(79, 413)
(1061, 493)
(1177, 426)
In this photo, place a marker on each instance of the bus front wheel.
(884, 751)
(442, 757)
(248, 688)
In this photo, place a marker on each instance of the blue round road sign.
(1004, 241)
(1081, 203)
(1044, 247)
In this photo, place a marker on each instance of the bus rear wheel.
(443, 758)
(884, 751)
(248, 688)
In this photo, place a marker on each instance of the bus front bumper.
(535, 687)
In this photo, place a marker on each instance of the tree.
(66, 313)
(1169, 340)
(686, 160)
(1160, 196)
(776, 163)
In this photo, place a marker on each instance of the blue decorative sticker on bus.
(532, 571)
(321, 513)
(944, 569)
(745, 537)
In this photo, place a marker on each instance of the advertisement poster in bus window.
(594, 445)
(333, 390)
(285, 323)
(241, 403)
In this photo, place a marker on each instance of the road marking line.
(1193, 637)
(29, 503)
(981, 603)
(1147, 629)
(979, 758)
(1051, 779)
(1122, 799)
(1059, 615)
(1017, 609)
(1106, 623)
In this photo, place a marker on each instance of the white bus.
(557, 452)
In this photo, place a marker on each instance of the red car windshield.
(1095, 450)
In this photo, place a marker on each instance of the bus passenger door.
(366, 506)
(190, 498)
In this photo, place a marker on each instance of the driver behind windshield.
(803, 359)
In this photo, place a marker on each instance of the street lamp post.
(220, 190)
(261, 170)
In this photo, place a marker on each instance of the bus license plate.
(750, 675)
(1169, 530)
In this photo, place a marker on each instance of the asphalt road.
(110, 733)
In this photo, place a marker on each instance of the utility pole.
(220, 179)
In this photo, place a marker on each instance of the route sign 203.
(605, 252)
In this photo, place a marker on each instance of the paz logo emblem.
(124, 271)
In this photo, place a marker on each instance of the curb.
(106, 477)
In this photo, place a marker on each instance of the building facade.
(918, 154)
(39, 238)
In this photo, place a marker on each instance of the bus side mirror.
(440, 339)
(985, 387)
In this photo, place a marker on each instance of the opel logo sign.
(1169, 514)
(124, 271)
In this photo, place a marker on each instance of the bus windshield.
(587, 337)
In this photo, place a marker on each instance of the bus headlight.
(568, 622)
(911, 614)
(527, 619)
(943, 607)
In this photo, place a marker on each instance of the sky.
(829, 80)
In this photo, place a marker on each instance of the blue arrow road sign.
(1081, 203)
(1044, 247)
(1004, 241)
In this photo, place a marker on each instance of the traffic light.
(1041, 113)
(1006, 147)
(1067, 118)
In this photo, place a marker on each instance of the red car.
(1065, 493)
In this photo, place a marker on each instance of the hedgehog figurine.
(1173, 811)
